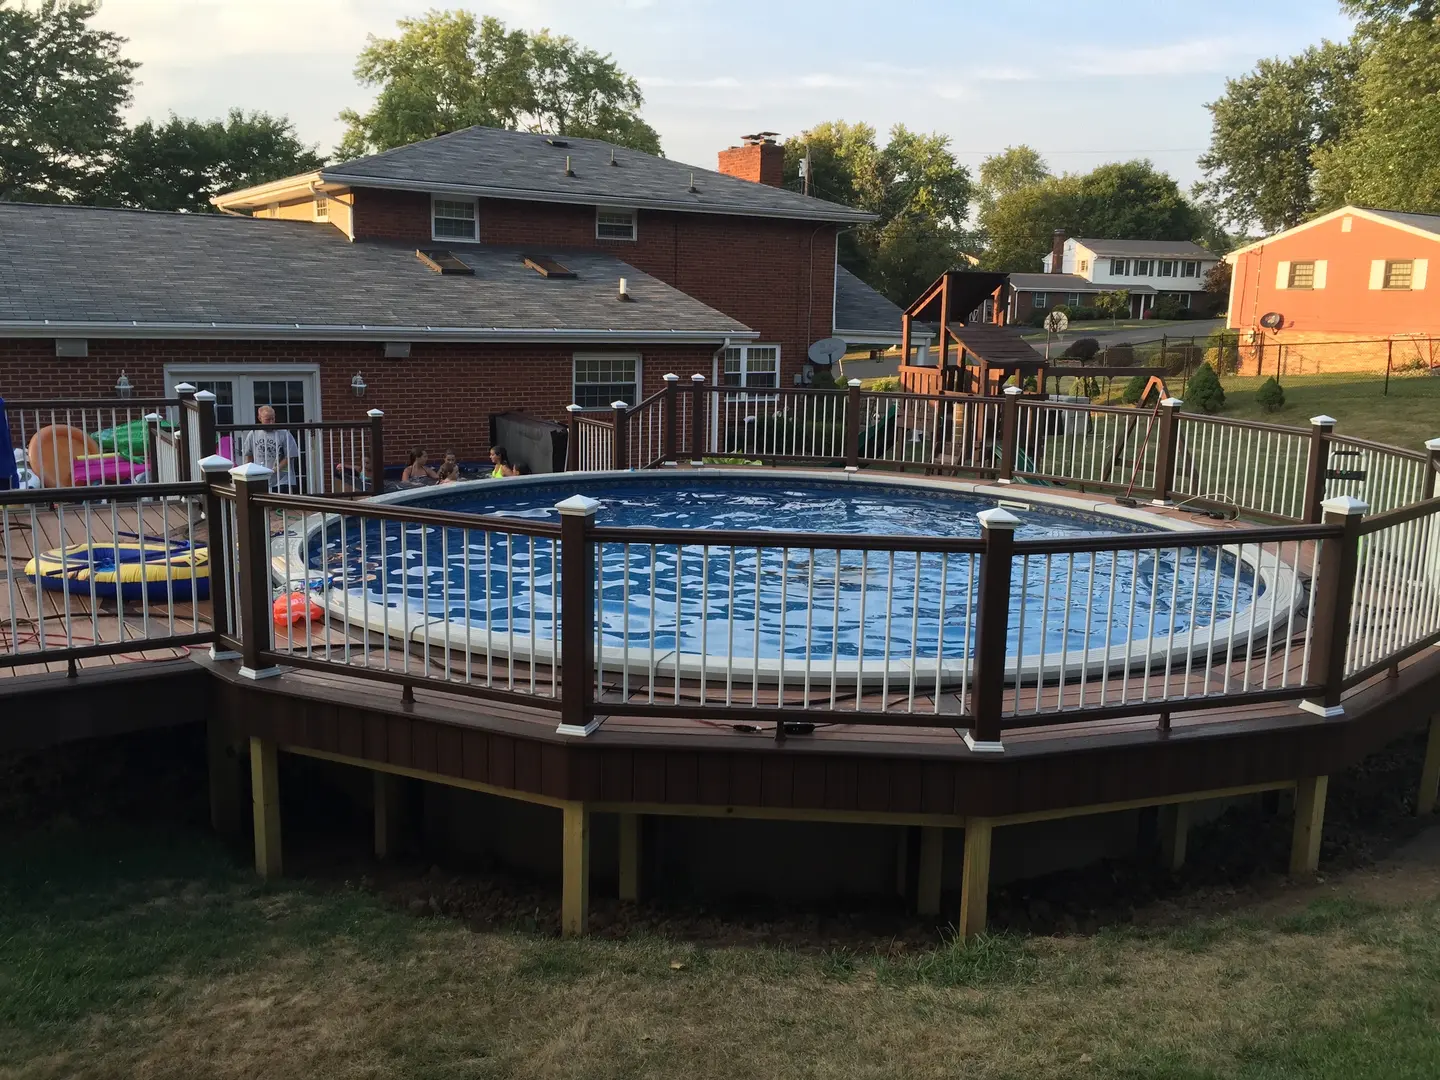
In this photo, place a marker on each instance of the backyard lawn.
(137, 954)
(1407, 416)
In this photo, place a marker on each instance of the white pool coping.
(1282, 594)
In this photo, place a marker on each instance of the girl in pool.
(449, 468)
(500, 463)
(417, 469)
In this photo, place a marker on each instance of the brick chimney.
(758, 158)
(1057, 252)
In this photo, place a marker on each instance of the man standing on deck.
(275, 449)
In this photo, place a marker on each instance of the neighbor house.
(1078, 270)
(473, 273)
(1348, 291)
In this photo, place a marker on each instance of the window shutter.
(1417, 276)
(1377, 273)
(1282, 276)
(1320, 266)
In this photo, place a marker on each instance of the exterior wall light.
(357, 385)
(123, 389)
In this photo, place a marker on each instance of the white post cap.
(1172, 402)
(1323, 421)
(853, 382)
(573, 408)
(153, 417)
(1013, 390)
(216, 463)
(375, 414)
(1432, 444)
(998, 518)
(1345, 504)
(618, 405)
(204, 395)
(697, 378)
(578, 506)
(671, 377)
(251, 471)
(184, 388)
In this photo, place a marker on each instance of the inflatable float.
(147, 568)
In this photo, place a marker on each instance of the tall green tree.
(1119, 201)
(1267, 129)
(1007, 172)
(1391, 156)
(181, 164)
(63, 84)
(448, 70)
(1388, 11)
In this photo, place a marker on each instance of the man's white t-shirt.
(268, 447)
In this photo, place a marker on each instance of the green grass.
(1407, 416)
(126, 954)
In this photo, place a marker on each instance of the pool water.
(745, 603)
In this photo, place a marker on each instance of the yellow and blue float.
(147, 568)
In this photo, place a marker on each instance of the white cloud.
(1198, 57)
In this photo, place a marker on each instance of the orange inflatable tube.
(52, 452)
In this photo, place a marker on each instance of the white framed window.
(600, 379)
(1142, 267)
(615, 224)
(453, 219)
(1302, 275)
(1190, 268)
(1399, 274)
(1167, 267)
(1119, 267)
(1084, 265)
(322, 208)
(751, 367)
(1072, 300)
(1040, 301)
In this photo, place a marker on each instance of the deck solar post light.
(123, 389)
(357, 385)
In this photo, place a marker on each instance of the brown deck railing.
(119, 440)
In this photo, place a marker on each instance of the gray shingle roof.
(1426, 222)
(521, 165)
(1148, 249)
(84, 269)
(859, 308)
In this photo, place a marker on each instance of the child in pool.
(449, 468)
(417, 469)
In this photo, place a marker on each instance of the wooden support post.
(252, 535)
(975, 877)
(943, 360)
(620, 449)
(852, 426)
(184, 452)
(572, 439)
(697, 419)
(672, 419)
(389, 803)
(905, 360)
(987, 696)
(1009, 433)
(153, 428)
(216, 472)
(1321, 428)
(1309, 822)
(629, 856)
(376, 464)
(932, 865)
(205, 410)
(577, 609)
(575, 870)
(1430, 771)
(1166, 450)
(1433, 447)
(265, 801)
(1333, 590)
(1174, 834)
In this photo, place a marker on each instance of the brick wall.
(775, 276)
(442, 397)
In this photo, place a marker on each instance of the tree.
(1271, 396)
(1115, 305)
(1204, 392)
(181, 164)
(1266, 130)
(1120, 201)
(447, 71)
(1390, 157)
(62, 86)
(1372, 12)
(919, 192)
(1217, 280)
(1010, 170)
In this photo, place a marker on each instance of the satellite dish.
(1057, 322)
(827, 351)
(1272, 321)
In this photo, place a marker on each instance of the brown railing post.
(852, 426)
(1009, 433)
(377, 451)
(252, 536)
(152, 446)
(992, 631)
(186, 393)
(1336, 564)
(1433, 446)
(620, 455)
(672, 418)
(1166, 450)
(216, 471)
(205, 412)
(572, 440)
(1321, 428)
(577, 609)
(697, 419)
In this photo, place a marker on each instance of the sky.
(1083, 84)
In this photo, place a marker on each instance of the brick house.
(1348, 291)
(469, 274)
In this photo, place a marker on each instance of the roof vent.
(692, 188)
(624, 294)
(443, 262)
(547, 267)
(612, 157)
(558, 142)
(568, 170)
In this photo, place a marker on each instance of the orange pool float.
(52, 452)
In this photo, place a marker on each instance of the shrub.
(1222, 349)
(1082, 349)
(1270, 396)
(1134, 389)
(1167, 307)
(1204, 391)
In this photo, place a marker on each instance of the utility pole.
(805, 170)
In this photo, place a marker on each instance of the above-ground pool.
(494, 591)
